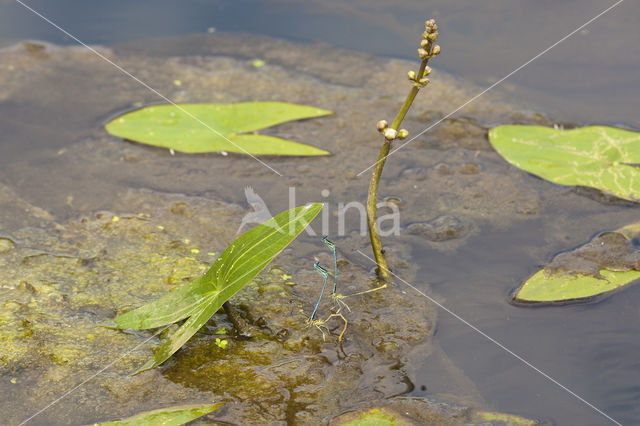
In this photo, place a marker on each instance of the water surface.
(54, 155)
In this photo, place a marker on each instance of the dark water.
(590, 78)
(584, 347)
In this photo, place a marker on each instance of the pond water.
(59, 166)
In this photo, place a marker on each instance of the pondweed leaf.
(605, 264)
(175, 127)
(563, 288)
(235, 267)
(496, 418)
(170, 416)
(600, 157)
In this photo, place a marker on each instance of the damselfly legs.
(320, 323)
(325, 274)
(337, 298)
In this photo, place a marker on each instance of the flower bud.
(424, 81)
(403, 133)
(412, 75)
(435, 50)
(427, 71)
(382, 124)
(429, 25)
(425, 34)
(434, 27)
(433, 36)
(424, 43)
(422, 54)
(390, 134)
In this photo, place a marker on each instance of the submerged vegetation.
(428, 49)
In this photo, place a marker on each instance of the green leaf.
(599, 157)
(605, 271)
(375, 417)
(178, 415)
(170, 308)
(235, 267)
(563, 288)
(175, 127)
(503, 419)
(184, 333)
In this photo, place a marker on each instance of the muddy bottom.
(92, 226)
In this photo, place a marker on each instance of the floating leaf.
(503, 419)
(374, 417)
(605, 264)
(235, 267)
(599, 157)
(178, 415)
(176, 128)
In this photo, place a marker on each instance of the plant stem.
(372, 214)
(410, 97)
(372, 197)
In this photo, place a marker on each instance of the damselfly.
(325, 274)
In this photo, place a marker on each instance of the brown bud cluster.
(427, 48)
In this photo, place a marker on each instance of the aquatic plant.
(427, 50)
(198, 300)
(171, 416)
(197, 128)
(607, 263)
(598, 157)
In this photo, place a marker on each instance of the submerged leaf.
(600, 157)
(235, 267)
(605, 264)
(170, 416)
(216, 127)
